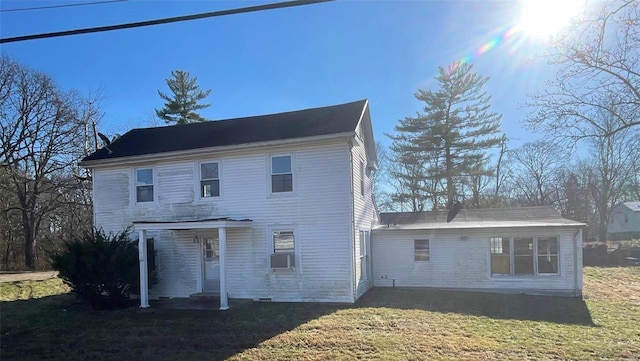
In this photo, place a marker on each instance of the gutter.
(173, 155)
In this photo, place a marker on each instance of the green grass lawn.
(40, 321)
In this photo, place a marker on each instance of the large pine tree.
(181, 107)
(452, 135)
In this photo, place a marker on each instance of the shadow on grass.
(563, 310)
(60, 328)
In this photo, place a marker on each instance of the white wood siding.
(363, 210)
(465, 264)
(318, 210)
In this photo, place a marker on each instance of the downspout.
(353, 223)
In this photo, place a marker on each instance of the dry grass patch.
(24, 290)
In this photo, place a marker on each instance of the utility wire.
(249, 9)
(61, 6)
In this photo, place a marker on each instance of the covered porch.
(219, 224)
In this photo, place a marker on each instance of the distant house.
(527, 250)
(279, 207)
(624, 222)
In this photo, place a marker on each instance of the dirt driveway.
(27, 276)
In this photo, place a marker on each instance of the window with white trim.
(284, 247)
(521, 256)
(284, 242)
(421, 251)
(281, 174)
(209, 180)
(144, 185)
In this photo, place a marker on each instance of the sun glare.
(545, 18)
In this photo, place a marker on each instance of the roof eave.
(203, 151)
(460, 226)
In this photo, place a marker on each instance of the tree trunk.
(29, 246)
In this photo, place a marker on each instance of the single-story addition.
(515, 250)
(624, 222)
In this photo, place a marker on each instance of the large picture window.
(144, 185)
(281, 174)
(209, 180)
(524, 256)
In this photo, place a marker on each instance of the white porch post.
(142, 255)
(222, 237)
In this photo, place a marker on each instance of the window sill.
(207, 199)
(145, 204)
(281, 194)
(507, 277)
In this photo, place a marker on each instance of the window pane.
(500, 256)
(281, 183)
(144, 177)
(548, 255)
(144, 194)
(281, 164)
(283, 242)
(421, 249)
(209, 171)
(523, 256)
(212, 247)
(210, 188)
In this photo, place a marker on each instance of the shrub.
(101, 269)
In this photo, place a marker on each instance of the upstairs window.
(421, 250)
(281, 174)
(144, 185)
(209, 180)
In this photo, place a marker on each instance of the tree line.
(450, 153)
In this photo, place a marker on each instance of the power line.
(163, 21)
(61, 6)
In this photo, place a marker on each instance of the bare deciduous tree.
(599, 61)
(41, 134)
(534, 168)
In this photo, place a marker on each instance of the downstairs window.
(520, 256)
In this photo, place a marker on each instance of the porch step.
(205, 296)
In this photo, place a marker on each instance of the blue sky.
(281, 60)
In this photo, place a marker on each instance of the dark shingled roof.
(477, 218)
(328, 120)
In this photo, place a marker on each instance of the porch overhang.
(210, 223)
(221, 224)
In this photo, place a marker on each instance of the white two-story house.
(273, 207)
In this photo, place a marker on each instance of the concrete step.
(205, 296)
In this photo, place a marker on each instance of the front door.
(211, 253)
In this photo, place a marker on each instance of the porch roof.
(223, 222)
